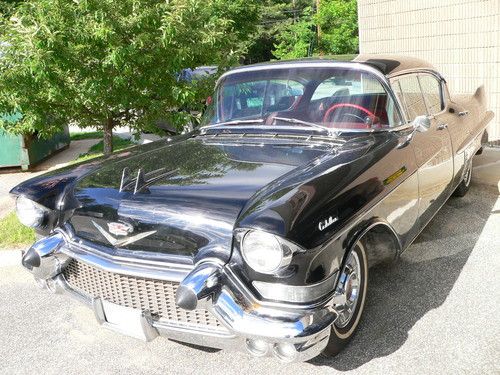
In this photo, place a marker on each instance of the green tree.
(8, 7)
(338, 25)
(106, 63)
(330, 28)
(275, 17)
(296, 39)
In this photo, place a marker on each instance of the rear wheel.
(464, 186)
(351, 293)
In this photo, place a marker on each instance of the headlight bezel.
(287, 250)
(39, 212)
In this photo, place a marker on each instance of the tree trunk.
(318, 27)
(108, 136)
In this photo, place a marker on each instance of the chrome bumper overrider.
(263, 329)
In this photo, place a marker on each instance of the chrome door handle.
(463, 113)
(442, 126)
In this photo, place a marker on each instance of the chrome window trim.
(369, 131)
(441, 96)
(418, 73)
(383, 79)
(403, 76)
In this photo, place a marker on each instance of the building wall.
(461, 38)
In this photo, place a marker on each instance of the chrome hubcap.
(348, 291)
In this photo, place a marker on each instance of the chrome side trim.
(296, 294)
(145, 257)
(127, 266)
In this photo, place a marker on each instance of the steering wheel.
(347, 105)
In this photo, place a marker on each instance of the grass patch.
(13, 234)
(97, 149)
(86, 135)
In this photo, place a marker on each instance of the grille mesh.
(157, 296)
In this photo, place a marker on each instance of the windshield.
(328, 97)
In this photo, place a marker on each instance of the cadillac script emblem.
(327, 222)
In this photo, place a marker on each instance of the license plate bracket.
(125, 320)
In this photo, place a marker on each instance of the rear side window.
(412, 98)
(431, 88)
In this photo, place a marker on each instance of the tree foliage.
(296, 39)
(275, 17)
(338, 22)
(332, 28)
(7, 7)
(105, 62)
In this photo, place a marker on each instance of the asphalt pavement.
(436, 311)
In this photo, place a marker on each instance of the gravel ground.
(435, 311)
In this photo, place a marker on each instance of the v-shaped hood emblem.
(121, 242)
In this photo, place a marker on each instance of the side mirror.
(422, 123)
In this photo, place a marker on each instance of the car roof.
(388, 65)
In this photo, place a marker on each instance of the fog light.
(257, 348)
(285, 351)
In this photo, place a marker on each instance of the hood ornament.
(121, 229)
(141, 182)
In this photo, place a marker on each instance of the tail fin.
(480, 95)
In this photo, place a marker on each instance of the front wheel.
(351, 294)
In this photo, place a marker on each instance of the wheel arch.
(381, 242)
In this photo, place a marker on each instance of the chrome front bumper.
(263, 329)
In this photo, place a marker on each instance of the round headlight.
(29, 213)
(262, 251)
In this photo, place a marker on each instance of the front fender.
(383, 244)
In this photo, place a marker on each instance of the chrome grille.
(157, 296)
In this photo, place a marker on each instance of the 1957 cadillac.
(256, 231)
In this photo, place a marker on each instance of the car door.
(421, 95)
(462, 128)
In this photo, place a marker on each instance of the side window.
(396, 87)
(413, 100)
(431, 88)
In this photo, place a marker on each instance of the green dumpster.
(26, 151)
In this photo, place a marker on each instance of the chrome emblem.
(122, 229)
(327, 222)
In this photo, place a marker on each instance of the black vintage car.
(257, 230)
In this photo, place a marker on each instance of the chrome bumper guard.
(263, 329)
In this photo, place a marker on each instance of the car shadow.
(401, 294)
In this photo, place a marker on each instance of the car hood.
(181, 198)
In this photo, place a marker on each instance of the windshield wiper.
(311, 124)
(234, 122)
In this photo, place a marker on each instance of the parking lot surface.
(436, 311)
